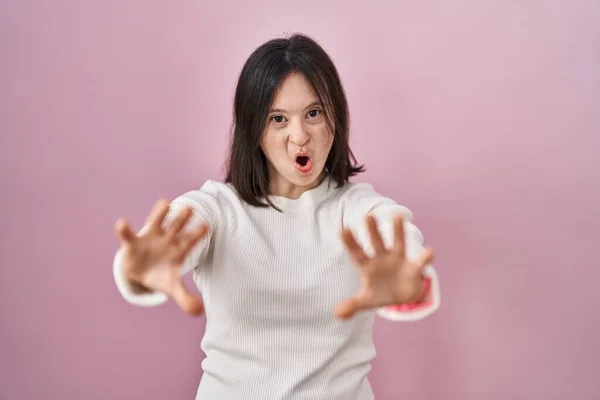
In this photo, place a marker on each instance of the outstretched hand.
(388, 277)
(152, 259)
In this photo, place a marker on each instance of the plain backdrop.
(481, 116)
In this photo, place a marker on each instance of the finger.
(376, 240)
(189, 303)
(399, 241)
(353, 247)
(191, 239)
(426, 258)
(178, 223)
(348, 308)
(157, 214)
(124, 231)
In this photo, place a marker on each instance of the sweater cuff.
(130, 293)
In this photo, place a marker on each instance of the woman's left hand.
(388, 277)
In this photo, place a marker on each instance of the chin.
(311, 179)
(306, 180)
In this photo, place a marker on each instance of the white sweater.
(270, 282)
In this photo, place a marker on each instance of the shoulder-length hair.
(261, 76)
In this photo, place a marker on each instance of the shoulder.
(363, 198)
(209, 199)
(362, 192)
(216, 189)
(354, 189)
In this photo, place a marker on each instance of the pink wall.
(482, 116)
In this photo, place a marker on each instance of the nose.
(298, 134)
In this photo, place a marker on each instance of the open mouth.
(303, 163)
(302, 160)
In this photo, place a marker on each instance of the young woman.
(292, 260)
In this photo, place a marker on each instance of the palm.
(150, 263)
(388, 277)
(152, 259)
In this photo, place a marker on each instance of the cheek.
(323, 138)
(271, 145)
(317, 130)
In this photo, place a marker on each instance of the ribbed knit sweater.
(270, 281)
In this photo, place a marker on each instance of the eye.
(314, 113)
(278, 119)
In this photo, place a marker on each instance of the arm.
(205, 209)
(363, 200)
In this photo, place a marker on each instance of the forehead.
(294, 93)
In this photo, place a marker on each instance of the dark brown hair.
(261, 76)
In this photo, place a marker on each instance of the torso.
(270, 284)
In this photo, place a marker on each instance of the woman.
(293, 261)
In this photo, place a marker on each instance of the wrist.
(424, 288)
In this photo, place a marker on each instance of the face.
(297, 139)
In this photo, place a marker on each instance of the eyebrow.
(281, 110)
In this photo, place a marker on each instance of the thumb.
(347, 308)
(426, 258)
(189, 303)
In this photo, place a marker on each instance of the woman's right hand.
(152, 259)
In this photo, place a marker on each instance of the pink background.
(481, 116)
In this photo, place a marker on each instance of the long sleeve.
(363, 200)
(204, 210)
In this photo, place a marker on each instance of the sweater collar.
(310, 197)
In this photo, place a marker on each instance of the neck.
(281, 187)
